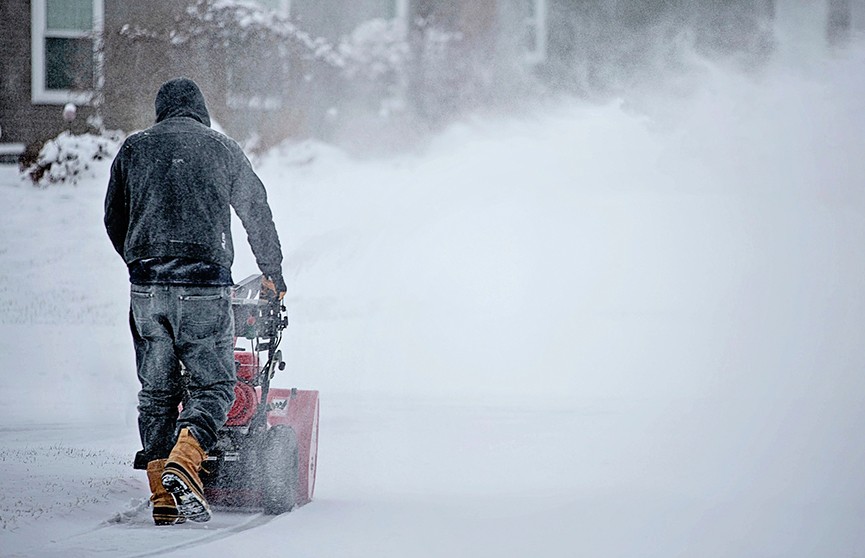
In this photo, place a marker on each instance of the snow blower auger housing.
(265, 455)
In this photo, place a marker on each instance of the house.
(277, 68)
(108, 57)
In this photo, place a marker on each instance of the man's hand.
(272, 288)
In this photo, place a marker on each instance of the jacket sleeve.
(249, 199)
(116, 207)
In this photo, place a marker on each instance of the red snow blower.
(265, 455)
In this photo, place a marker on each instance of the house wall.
(577, 33)
(602, 46)
(135, 65)
(14, 67)
(138, 63)
(22, 122)
(858, 16)
(134, 68)
(594, 46)
(844, 18)
(809, 28)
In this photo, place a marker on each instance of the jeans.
(194, 326)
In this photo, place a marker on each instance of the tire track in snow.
(131, 534)
(256, 520)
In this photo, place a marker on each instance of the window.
(534, 22)
(65, 37)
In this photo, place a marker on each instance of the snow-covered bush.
(376, 48)
(376, 56)
(69, 157)
(229, 23)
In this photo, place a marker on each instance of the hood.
(181, 97)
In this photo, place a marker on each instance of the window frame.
(401, 9)
(39, 32)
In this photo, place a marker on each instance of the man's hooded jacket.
(167, 210)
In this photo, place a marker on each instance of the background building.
(315, 68)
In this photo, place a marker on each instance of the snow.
(69, 157)
(588, 331)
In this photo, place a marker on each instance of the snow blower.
(265, 455)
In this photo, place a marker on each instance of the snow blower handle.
(273, 319)
(257, 315)
(272, 291)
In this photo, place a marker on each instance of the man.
(167, 212)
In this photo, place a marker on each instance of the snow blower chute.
(265, 456)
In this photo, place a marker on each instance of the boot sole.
(170, 521)
(190, 503)
(167, 516)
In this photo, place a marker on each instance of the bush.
(68, 157)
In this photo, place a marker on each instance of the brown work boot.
(164, 508)
(180, 478)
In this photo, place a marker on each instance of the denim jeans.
(171, 325)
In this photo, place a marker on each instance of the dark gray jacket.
(172, 186)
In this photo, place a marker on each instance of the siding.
(21, 121)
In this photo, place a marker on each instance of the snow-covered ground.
(585, 332)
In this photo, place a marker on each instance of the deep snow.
(589, 331)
